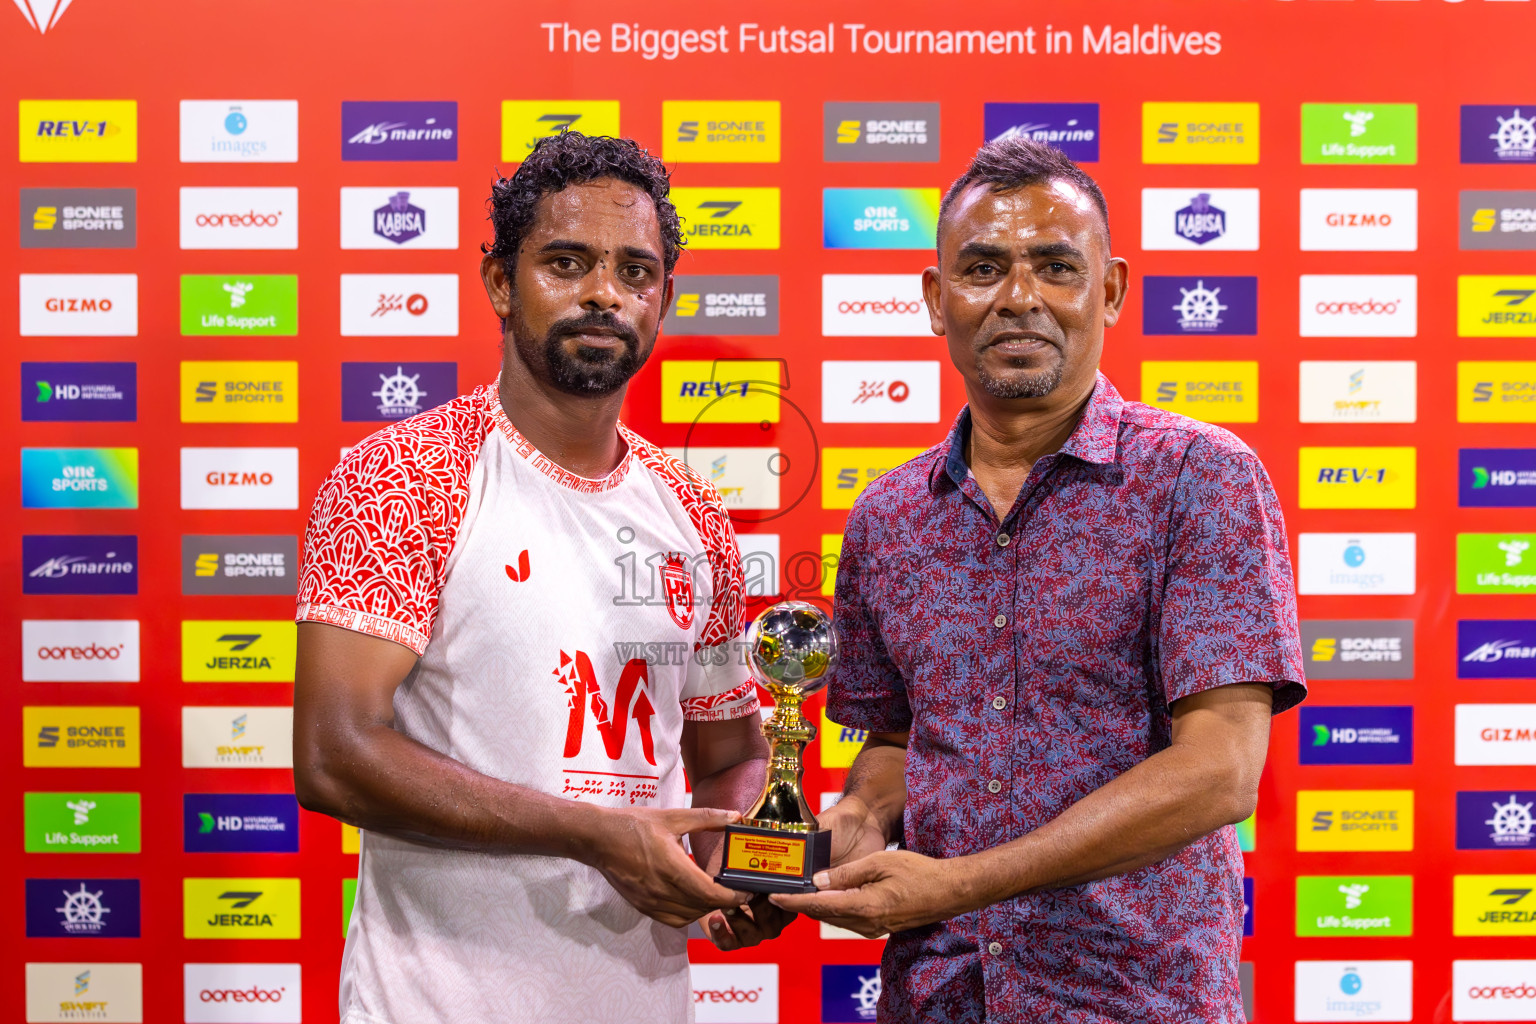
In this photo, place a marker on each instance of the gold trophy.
(778, 846)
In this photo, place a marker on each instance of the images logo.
(874, 306)
(240, 478)
(1336, 990)
(80, 737)
(239, 564)
(400, 305)
(1496, 477)
(1494, 134)
(1496, 734)
(1358, 648)
(1206, 219)
(524, 122)
(81, 822)
(1354, 905)
(79, 478)
(1216, 392)
(1359, 133)
(1493, 905)
(239, 131)
(80, 650)
(239, 218)
(83, 908)
(79, 218)
(720, 132)
(240, 908)
(1359, 392)
(747, 478)
(724, 304)
(1355, 563)
(1354, 819)
(240, 823)
(79, 305)
(397, 218)
(1072, 128)
(393, 391)
(893, 391)
(1495, 820)
(78, 131)
(1199, 133)
(243, 304)
(880, 132)
(849, 992)
(238, 652)
(720, 391)
(242, 994)
(240, 392)
(1495, 306)
(879, 218)
(1496, 392)
(845, 472)
(66, 564)
(1357, 735)
(79, 392)
(1359, 219)
(1498, 220)
(407, 130)
(1358, 478)
(1200, 306)
(1359, 306)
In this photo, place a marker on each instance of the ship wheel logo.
(1200, 309)
(82, 910)
(1512, 823)
(399, 394)
(1516, 137)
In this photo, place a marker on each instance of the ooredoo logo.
(239, 218)
(257, 993)
(1359, 306)
(1498, 990)
(874, 306)
(730, 995)
(80, 650)
(735, 993)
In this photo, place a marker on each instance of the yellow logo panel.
(351, 839)
(80, 737)
(720, 131)
(845, 472)
(238, 651)
(1495, 307)
(79, 131)
(1354, 819)
(1496, 392)
(240, 908)
(840, 744)
(1494, 905)
(831, 553)
(729, 218)
(1216, 392)
(524, 122)
(720, 390)
(239, 392)
(1199, 133)
(1358, 478)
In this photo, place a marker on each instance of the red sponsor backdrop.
(1278, 54)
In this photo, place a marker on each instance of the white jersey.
(565, 628)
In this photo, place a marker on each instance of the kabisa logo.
(83, 908)
(239, 131)
(398, 221)
(240, 908)
(729, 218)
(220, 651)
(1493, 905)
(1216, 392)
(1496, 477)
(68, 564)
(393, 391)
(239, 305)
(1354, 819)
(80, 737)
(1199, 133)
(1354, 905)
(1489, 306)
(1072, 128)
(849, 992)
(79, 305)
(1498, 220)
(724, 304)
(79, 218)
(79, 478)
(239, 392)
(721, 391)
(1200, 218)
(1358, 477)
(723, 132)
(1338, 391)
(1496, 734)
(1359, 133)
(1202, 305)
(79, 392)
(1496, 649)
(400, 218)
(1358, 648)
(213, 564)
(1356, 735)
(1495, 134)
(1495, 820)
(1496, 392)
(1200, 222)
(524, 122)
(78, 131)
(240, 823)
(879, 218)
(880, 132)
(408, 130)
(1358, 563)
(43, 15)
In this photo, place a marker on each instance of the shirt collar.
(1095, 440)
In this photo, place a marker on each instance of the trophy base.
(762, 859)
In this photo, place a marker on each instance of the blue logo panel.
(79, 392)
(79, 478)
(406, 130)
(1498, 133)
(1356, 735)
(79, 564)
(1247, 907)
(1496, 649)
(879, 218)
(1072, 128)
(371, 392)
(849, 992)
(1496, 478)
(240, 823)
(82, 908)
(1500, 819)
(1200, 306)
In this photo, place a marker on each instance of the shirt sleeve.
(867, 690)
(718, 686)
(1229, 601)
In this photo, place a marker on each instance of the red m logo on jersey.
(630, 701)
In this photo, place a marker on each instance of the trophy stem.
(782, 804)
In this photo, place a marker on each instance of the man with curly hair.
(461, 695)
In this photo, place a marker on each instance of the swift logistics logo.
(1356, 735)
(1493, 905)
(721, 131)
(880, 132)
(111, 993)
(1497, 220)
(78, 218)
(239, 131)
(1215, 392)
(239, 564)
(395, 218)
(239, 392)
(1200, 219)
(1496, 477)
(1372, 820)
(399, 130)
(240, 478)
(1495, 563)
(240, 908)
(81, 822)
(70, 564)
(82, 908)
(1072, 128)
(874, 306)
(80, 737)
(1498, 134)
(236, 737)
(1493, 990)
(880, 391)
(1357, 648)
(394, 391)
(845, 472)
(1358, 477)
(79, 478)
(1384, 391)
(400, 305)
(1496, 392)
(1356, 563)
(1495, 820)
(525, 122)
(240, 823)
(1496, 649)
(79, 305)
(1203, 306)
(728, 218)
(1199, 133)
(879, 218)
(239, 218)
(242, 993)
(1359, 305)
(720, 391)
(245, 651)
(724, 304)
(1329, 905)
(747, 478)
(1359, 133)
(80, 650)
(78, 131)
(1495, 306)
(1359, 219)
(79, 392)
(1354, 990)
(239, 304)
(1496, 734)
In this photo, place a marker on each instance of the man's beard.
(1028, 384)
(588, 372)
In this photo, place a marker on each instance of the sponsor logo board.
(728, 218)
(885, 391)
(1354, 990)
(1199, 133)
(1496, 477)
(1497, 220)
(1072, 128)
(747, 478)
(80, 650)
(399, 130)
(237, 737)
(78, 131)
(242, 993)
(1216, 392)
(840, 744)
(79, 218)
(1359, 306)
(1200, 218)
(240, 823)
(79, 305)
(67, 564)
(1359, 133)
(240, 908)
(720, 390)
(1495, 306)
(1343, 391)
(849, 992)
(1359, 219)
(79, 478)
(1502, 990)
(82, 908)
(397, 218)
(79, 392)
(1493, 905)
(879, 218)
(759, 563)
(75, 822)
(85, 991)
(1354, 905)
(240, 392)
(238, 651)
(239, 132)
(735, 993)
(1356, 735)
(394, 391)
(1495, 734)
(240, 478)
(721, 131)
(730, 304)
(1356, 563)
(1358, 648)
(1374, 820)
(880, 132)
(1496, 649)
(400, 305)
(1358, 477)
(845, 472)
(1202, 306)
(239, 564)
(1495, 563)
(525, 122)
(80, 737)
(239, 218)
(1496, 820)
(239, 304)
(874, 306)
(1494, 133)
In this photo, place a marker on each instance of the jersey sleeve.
(718, 686)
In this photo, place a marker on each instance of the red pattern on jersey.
(541, 462)
(718, 707)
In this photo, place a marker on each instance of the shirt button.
(994, 786)
(1003, 539)
(999, 702)
(995, 948)
(1000, 621)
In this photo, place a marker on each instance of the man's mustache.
(594, 321)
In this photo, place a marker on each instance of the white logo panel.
(1356, 563)
(874, 306)
(745, 477)
(1354, 990)
(80, 650)
(400, 218)
(1496, 734)
(399, 305)
(1500, 990)
(1200, 219)
(1359, 391)
(735, 993)
(1359, 305)
(896, 391)
(244, 478)
(79, 305)
(759, 563)
(1359, 219)
(113, 993)
(242, 994)
(236, 737)
(239, 218)
(239, 131)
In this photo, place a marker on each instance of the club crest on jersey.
(677, 586)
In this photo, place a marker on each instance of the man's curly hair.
(571, 158)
